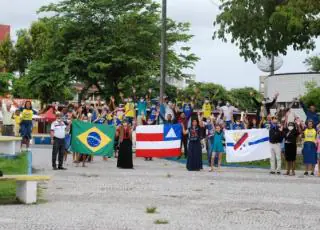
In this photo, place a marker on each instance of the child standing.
(217, 147)
(17, 121)
(309, 148)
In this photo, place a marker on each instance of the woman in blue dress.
(217, 146)
(194, 160)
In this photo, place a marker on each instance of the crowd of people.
(200, 128)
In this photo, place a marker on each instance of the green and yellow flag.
(88, 138)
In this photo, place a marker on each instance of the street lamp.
(163, 61)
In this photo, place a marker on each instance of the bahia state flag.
(88, 138)
(247, 145)
(158, 141)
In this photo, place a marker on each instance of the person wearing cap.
(7, 122)
(275, 138)
(58, 134)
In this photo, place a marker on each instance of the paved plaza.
(101, 196)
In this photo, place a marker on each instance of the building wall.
(181, 84)
(291, 85)
(4, 31)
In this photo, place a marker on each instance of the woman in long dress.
(194, 160)
(124, 133)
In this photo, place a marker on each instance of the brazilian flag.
(95, 139)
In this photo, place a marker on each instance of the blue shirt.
(236, 126)
(153, 113)
(187, 110)
(142, 108)
(311, 115)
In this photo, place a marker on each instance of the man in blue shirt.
(311, 113)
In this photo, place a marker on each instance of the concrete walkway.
(104, 197)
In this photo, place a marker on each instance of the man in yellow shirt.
(206, 108)
(130, 110)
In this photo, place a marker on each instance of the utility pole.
(163, 62)
(272, 65)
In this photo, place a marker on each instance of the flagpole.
(163, 61)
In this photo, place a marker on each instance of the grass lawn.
(12, 166)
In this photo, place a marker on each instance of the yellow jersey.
(207, 110)
(26, 115)
(129, 109)
(17, 119)
(310, 135)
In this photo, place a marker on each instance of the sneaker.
(62, 168)
(306, 174)
(272, 173)
(312, 174)
(279, 173)
(55, 168)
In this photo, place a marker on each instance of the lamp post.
(163, 61)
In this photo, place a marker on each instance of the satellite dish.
(265, 64)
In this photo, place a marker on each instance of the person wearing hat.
(58, 134)
(275, 138)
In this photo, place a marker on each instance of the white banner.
(247, 145)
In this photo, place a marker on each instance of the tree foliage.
(110, 44)
(268, 27)
(313, 94)
(313, 63)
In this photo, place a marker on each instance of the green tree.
(113, 45)
(268, 27)
(200, 90)
(7, 55)
(313, 94)
(313, 63)
(5, 80)
(241, 98)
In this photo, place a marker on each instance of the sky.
(220, 62)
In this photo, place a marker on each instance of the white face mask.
(290, 128)
(281, 108)
(141, 100)
(206, 101)
(228, 104)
